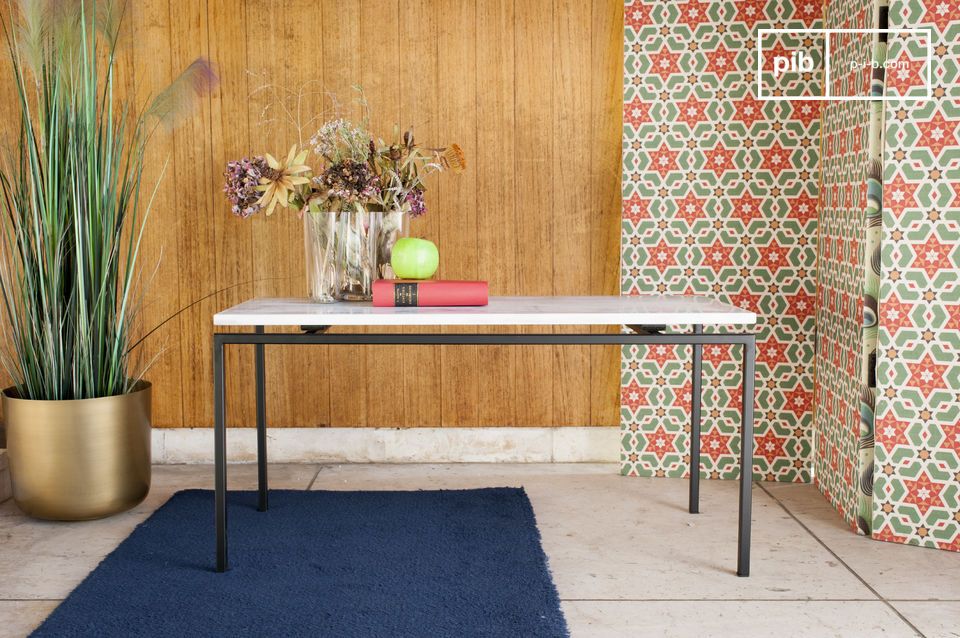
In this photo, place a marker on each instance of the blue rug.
(431, 563)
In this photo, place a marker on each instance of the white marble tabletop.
(501, 311)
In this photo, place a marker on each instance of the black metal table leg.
(261, 424)
(220, 453)
(695, 398)
(642, 336)
(746, 458)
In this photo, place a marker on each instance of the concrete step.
(5, 490)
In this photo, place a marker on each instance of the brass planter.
(79, 460)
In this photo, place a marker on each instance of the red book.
(399, 292)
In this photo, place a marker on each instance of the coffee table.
(645, 316)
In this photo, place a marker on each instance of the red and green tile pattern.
(844, 332)
(719, 198)
(917, 450)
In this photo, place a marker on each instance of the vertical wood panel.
(297, 388)
(496, 215)
(572, 206)
(159, 252)
(230, 139)
(534, 200)
(531, 89)
(341, 71)
(458, 203)
(419, 95)
(606, 105)
(191, 163)
(317, 382)
(380, 78)
(261, 33)
(303, 394)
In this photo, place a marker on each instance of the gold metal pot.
(79, 460)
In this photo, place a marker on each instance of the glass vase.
(358, 242)
(320, 243)
(395, 224)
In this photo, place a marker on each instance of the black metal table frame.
(317, 335)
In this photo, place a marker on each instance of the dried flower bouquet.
(371, 185)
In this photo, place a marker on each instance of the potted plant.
(78, 414)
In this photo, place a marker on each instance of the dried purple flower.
(241, 179)
(349, 181)
(338, 140)
(414, 199)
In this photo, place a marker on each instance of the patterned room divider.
(916, 492)
(845, 320)
(720, 197)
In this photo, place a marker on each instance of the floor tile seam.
(726, 600)
(840, 560)
(314, 479)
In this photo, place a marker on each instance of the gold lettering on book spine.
(405, 294)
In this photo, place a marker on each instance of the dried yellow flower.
(282, 179)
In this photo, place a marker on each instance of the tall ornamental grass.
(73, 216)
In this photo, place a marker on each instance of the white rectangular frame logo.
(826, 66)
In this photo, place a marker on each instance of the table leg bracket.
(647, 330)
(314, 330)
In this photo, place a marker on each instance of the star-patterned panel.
(719, 198)
(917, 450)
(841, 266)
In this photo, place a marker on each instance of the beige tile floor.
(626, 557)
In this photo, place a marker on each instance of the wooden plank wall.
(531, 89)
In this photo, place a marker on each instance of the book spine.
(405, 294)
(387, 293)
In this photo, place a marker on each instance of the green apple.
(414, 258)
